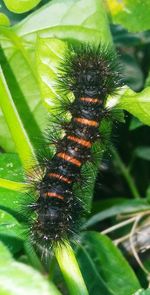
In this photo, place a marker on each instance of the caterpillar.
(91, 74)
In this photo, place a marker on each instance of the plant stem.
(70, 269)
(116, 226)
(125, 172)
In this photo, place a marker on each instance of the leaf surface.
(17, 278)
(108, 263)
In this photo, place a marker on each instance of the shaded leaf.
(135, 123)
(109, 263)
(143, 152)
(11, 233)
(97, 283)
(9, 225)
(126, 207)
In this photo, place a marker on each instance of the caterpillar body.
(90, 73)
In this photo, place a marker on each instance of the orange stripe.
(70, 159)
(81, 141)
(89, 99)
(86, 122)
(65, 179)
(54, 195)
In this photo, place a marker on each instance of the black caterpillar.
(91, 74)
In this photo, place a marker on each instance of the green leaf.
(143, 152)
(138, 104)
(131, 14)
(11, 113)
(10, 170)
(89, 270)
(4, 20)
(50, 52)
(21, 79)
(131, 71)
(18, 278)
(108, 263)
(135, 123)
(21, 6)
(11, 173)
(11, 204)
(70, 269)
(142, 292)
(6, 141)
(80, 20)
(10, 232)
(9, 225)
(10, 167)
(14, 115)
(128, 206)
(148, 193)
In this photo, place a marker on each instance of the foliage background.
(122, 185)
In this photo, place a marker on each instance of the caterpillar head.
(90, 71)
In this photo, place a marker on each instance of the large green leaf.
(21, 80)
(18, 278)
(75, 19)
(69, 19)
(16, 112)
(108, 264)
(132, 14)
(96, 284)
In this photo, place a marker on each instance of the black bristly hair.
(91, 74)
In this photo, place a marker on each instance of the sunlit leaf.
(20, 6)
(67, 19)
(17, 278)
(131, 14)
(4, 20)
(138, 104)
